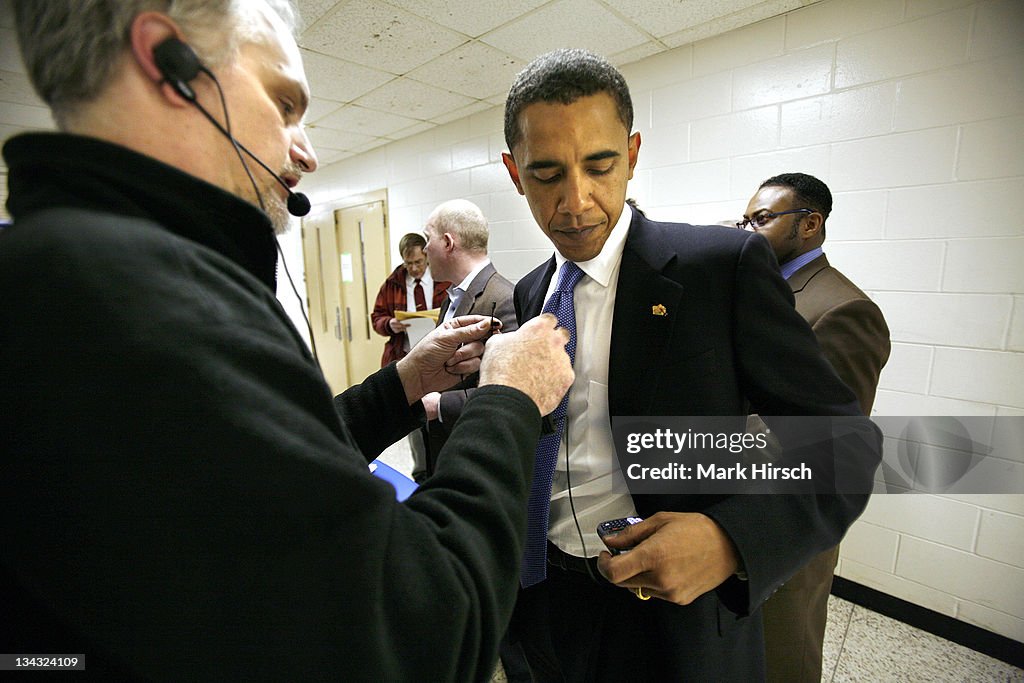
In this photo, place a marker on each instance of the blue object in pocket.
(404, 486)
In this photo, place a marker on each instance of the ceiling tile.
(635, 54)
(311, 11)
(471, 17)
(474, 69)
(720, 25)
(462, 112)
(365, 121)
(372, 144)
(333, 155)
(420, 127)
(335, 139)
(355, 51)
(334, 79)
(319, 108)
(546, 29)
(378, 35)
(663, 17)
(413, 99)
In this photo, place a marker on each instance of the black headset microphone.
(179, 65)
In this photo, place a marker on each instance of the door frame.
(332, 207)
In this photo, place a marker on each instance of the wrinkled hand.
(678, 557)
(443, 356)
(432, 404)
(397, 326)
(533, 360)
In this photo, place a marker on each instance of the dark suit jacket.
(849, 326)
(488, 289)
(731, 343)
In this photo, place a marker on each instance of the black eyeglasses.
(761, 219)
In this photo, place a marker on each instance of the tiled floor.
(861, 645)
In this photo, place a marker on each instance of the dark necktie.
(535, 554)
(421, 300)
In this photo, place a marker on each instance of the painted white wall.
(913, 112)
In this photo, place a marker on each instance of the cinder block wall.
(913, 112)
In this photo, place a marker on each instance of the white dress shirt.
(410, 297)
(598, 488)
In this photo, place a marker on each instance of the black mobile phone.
(613, 527)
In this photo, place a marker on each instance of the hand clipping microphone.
(179, 65)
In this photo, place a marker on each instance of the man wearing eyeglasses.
(409, 287)
(790, 210)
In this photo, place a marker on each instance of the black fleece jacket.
(182, 497)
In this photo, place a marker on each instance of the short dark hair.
(564, 76)
(808, 190)
(409, 241)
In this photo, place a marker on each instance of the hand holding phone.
(613, 527)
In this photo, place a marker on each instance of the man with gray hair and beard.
(183, 497)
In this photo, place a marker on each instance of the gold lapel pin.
(658, 309)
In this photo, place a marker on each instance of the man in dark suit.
(670, 319)
(456, 247)
(790, 210)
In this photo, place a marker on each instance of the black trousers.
(573, 628)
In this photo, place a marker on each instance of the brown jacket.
(849, 326)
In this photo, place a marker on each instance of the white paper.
(418, 329)
(346, 268)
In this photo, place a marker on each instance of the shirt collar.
(425, 279)
(601, 267)
(468, 280)
(799, 262)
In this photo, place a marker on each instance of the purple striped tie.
(535, 554)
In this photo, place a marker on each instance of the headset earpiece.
(179, 64)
